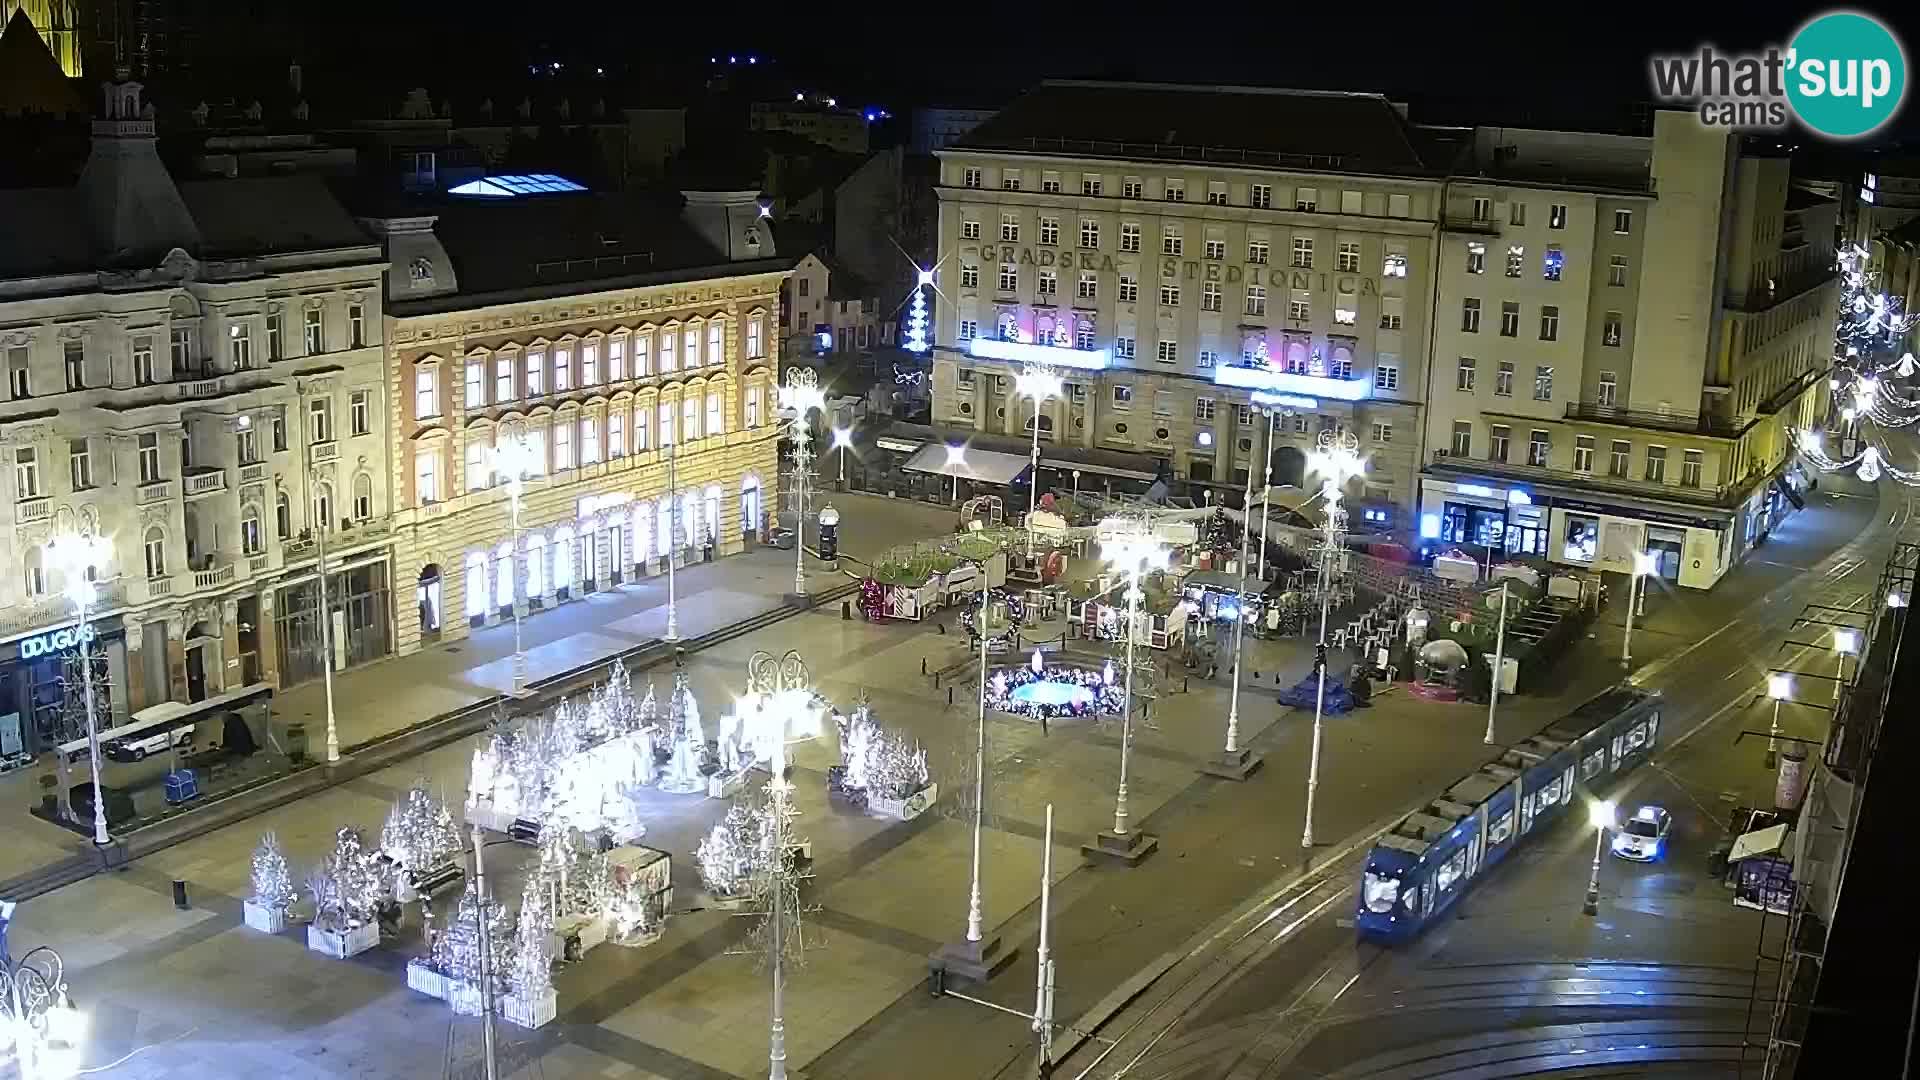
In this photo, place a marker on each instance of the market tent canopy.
(984, 466)
(1765, 841)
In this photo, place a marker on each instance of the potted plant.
(265, 909)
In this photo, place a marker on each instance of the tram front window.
(1380, 892)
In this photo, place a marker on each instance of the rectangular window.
(1483, 209)
(969, 230)
(239, 348)
(1623, 222)
(562, 446)
(1210, 296)
(1089, 233)
(1470, 315)
(476, 384)
(1049, 285)
(1619, 458)
(276, 337)
(1394, 263)
(1347, 259)
(969, 329)
(1346, 308)
(1557, 216)
(1123, 397)
(1608, 387)
(19, 373)
(536, 373)
(316, 333)
(357, 325)
(969, 276)
(320, 420)
(1133, 188)
(1090, 185)
(1306, 199)
(1543, 382)
(1050, 231)
(690, 418)
(360, 412)
(1171, 242)
(1303, 252)
(1468, 370)
(1129, 289)
(426, 474)
(1476, 257)
(1549, 323)
(1216, 249)
(1656, 464)
(589, 440)
(1169, 352)
(1382, 433)
(1009, 277)
(1692, 462)
(1176, 190)
(640, 418)
(279, 422)
(478, 477)
(1551, 263)
(1497, 445)
(1260, 196)
(80, 463)
(149, 458)
(1129, 237)
(590, 363)
(1169, 296)
(426, 393)
(1123, 347)
(642, 355)
(1088, 288)
(1462, 438)
(751, 405)
(143, 369)
(1617, 270)
(617, 351)
(1611, 330)
(1009, 228)
(1299, 305)
(1583, 453)
(1509, 319)
(1010, 181)
(1256, 300)
(1386, 376)
(1163, 403)
(756, 333)
(1539, 447)
(1503, 379)
(1516, 213)
(616, 433)
(970, 178)
(26, 475)
(563, 367)
(1203, 409)
(1083, 337)
(690, 341)
(503, 379)
(180, 345)
(1050, 183)
(1516, 260)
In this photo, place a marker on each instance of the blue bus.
(1418, 868)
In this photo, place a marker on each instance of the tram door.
(1525, 802)
(1478, 849)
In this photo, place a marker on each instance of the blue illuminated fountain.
(1037, 689)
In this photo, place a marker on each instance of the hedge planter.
(343, 944)
(266, 919)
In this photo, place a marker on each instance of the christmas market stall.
(914, 580)
(1097, 610)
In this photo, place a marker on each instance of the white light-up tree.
(80, 558)
(1037, 382)
(798, 397)
(916, 339)
(515, 457)
(1336, 460)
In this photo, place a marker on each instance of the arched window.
(476, 584)
(36, 572)
(363, 497)
(156, 551)
(282, 517)
(251, 541)
(535, 549)
(1296, 358)
(323, 505)
(1009, 326)
(750, 504)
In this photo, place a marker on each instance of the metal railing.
(1686, 423)
(201, 483)
(1715, 494)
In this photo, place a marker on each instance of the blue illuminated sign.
(55, 641)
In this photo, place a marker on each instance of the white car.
(1643, 837)
(136, 747)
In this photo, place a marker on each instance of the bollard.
(923, 665)
(179, 894)
(949, 695)
(846, 610)
(1183, 684)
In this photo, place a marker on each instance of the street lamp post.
(1337, 460)
(1845, 643)
(1601, 814)
(321, 526)
(1038, 382)
(976, 957)
(842, 441)
(1499, 661)
(41, 1023)
(1136, 553)
(799, 396)
(1235, 763)
(1266, 490)
(79, 558)
(673, 538)
(1076, 488)
(514, 457)
(1779, 688)
(1643, 564)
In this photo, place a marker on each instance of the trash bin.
(297, 743)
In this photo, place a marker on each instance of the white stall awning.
(984, 466)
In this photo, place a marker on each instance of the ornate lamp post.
(1779, 689)
(1643, 564)
(79, 558)
(1038, 382)
(1234, 762)
(322, 526)
(40, 1021)
(1601, 814)
(1135, 552)
(800, 395)
(843, 441)
(515, 457)
(975, 956)
(1337, 460)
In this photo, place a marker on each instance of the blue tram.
(1421, 866)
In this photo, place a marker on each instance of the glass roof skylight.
(510, 184)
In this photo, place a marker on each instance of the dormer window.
(752, 237)
(420, 271)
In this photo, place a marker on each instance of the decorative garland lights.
(1869, 330)
(1039, 690)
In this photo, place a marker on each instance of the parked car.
(1643, 837)
(781, 537)
(137, 746)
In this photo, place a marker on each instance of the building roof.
(30, 78)
(1344, 132)
(269, 216)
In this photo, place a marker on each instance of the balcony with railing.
(1467, 223)
(30, 510)
(324, 451)
(1717, 495)
(213, 576)
(204, 481)
(253, 473)
(1707, 424)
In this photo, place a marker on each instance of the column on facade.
(230, 676)
(176, 656)
(136, 690)
(268, 635)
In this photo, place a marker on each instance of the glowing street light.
(1499, 662)
(956, 460)
(1644, 563)
(1846, 642)
(1038, 382)
(1336, 459)
(80, 557)
(515, 457)
(801, 395)
(1136, 553)
(1601, 815)
(1779, 688)
(843, 441)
